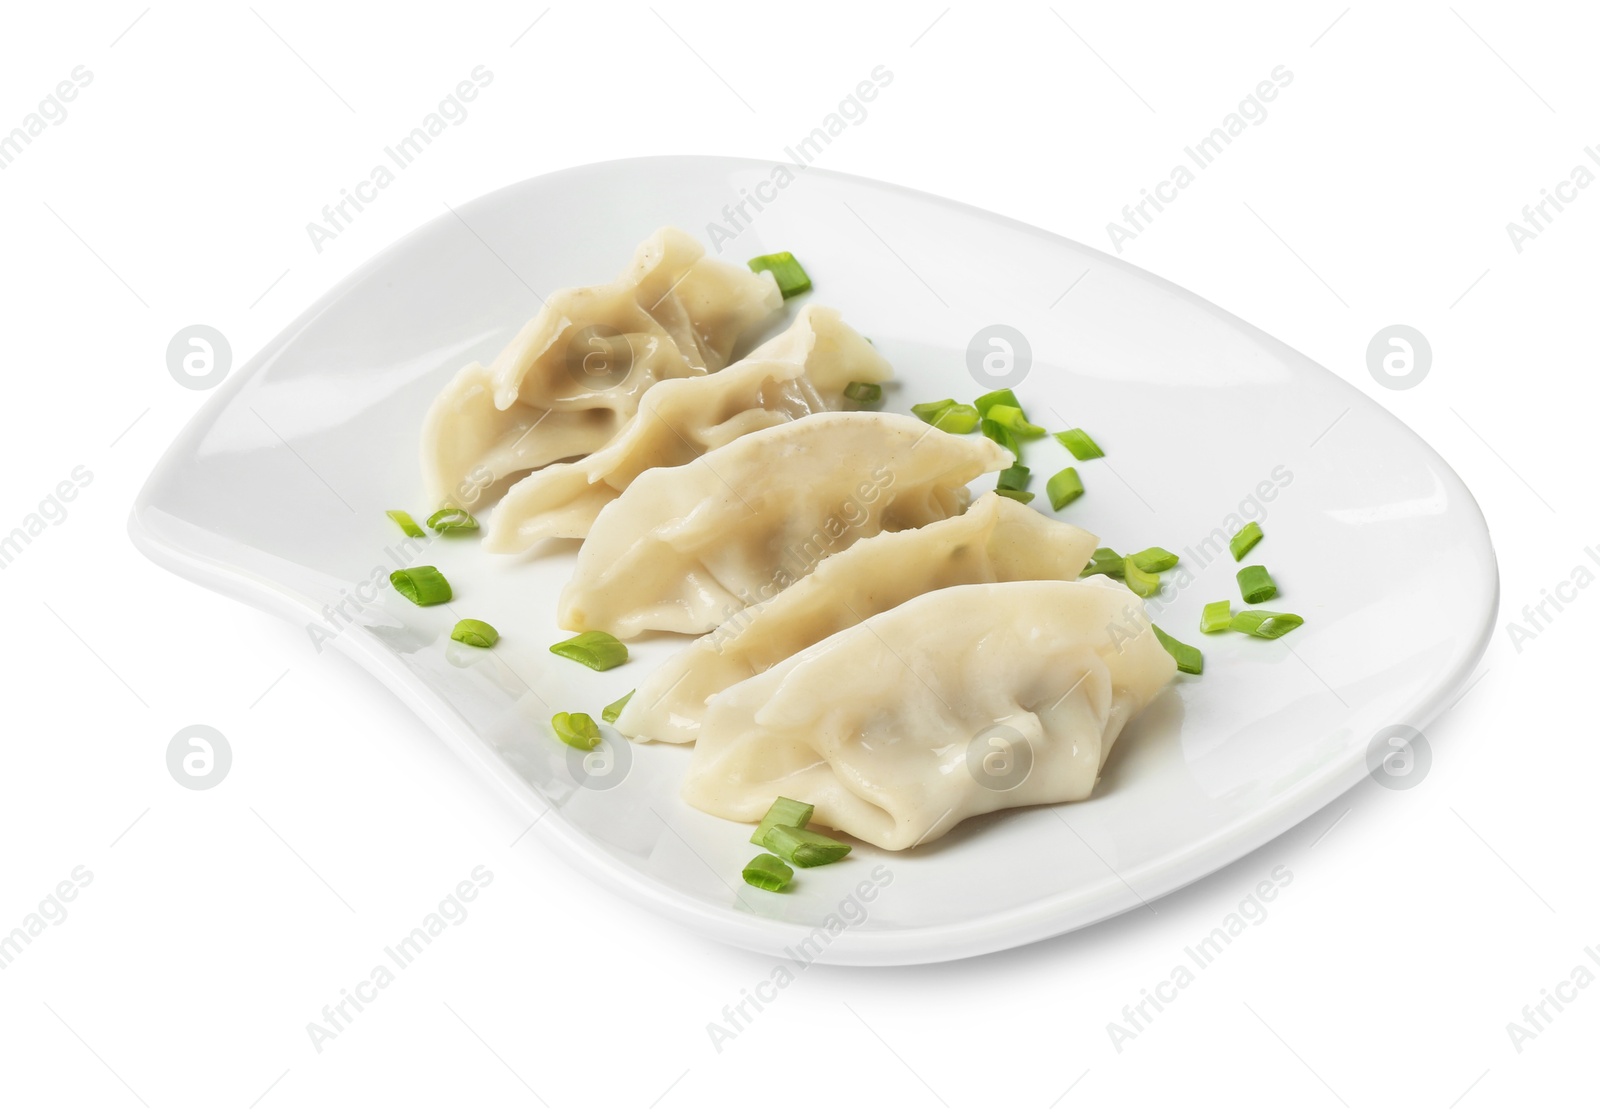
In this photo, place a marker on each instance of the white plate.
(275, 494)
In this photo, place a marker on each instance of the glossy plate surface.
(275, 494)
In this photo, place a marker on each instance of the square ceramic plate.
(275, 494)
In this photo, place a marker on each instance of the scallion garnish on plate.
(1189, 659)
(792, 278)
(803, 848)
(1265, 625)
(452, 521)
(595, 650)
(421, 585)
(611, 712)
(1256, 584)
(577, 730)
(474, 633)
(1248, 536)
(858, 392)
(406, 523)
(1063, 488)
(1079, 444)
(1216, 617)
(783, 811)
(768, 873)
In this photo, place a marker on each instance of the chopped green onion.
(474, 633)
(1014, 420)
(421, 585)
(860, 392)
(1015, 476)
(1265, 625)
(768, 873)
(595, 650)
(783, 811)
(948, 415)
(1143, 583)
(1079, 444)
(1216, 617)
(792, 278)
(1104, 561)
(1019, 495)
(1005, 397)
(958, 418)
(1154, 559)
(611, 712)
(1003, 435)
(577, 730)
(803, 848)
(1063, 488)
(407, 524)
(452, 521)
(1190, 661)
(1248, 536)
(1256, 584)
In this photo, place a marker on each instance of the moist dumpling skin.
(997, 539)
(958, 702)
(686, 547)
(802, 371)
(673, 313)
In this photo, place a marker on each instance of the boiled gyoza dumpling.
(958, 702)
(573, 376)
(686, 547)
(997, 539)
(803, 370)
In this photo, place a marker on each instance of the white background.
(177, 191)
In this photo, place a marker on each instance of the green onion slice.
(421, 585)
(1079, 444)
(1104, 561)
(958, 418)
(595, 650)
(1248, 536)
(948, 415)
(783, 811)
(1143, 583)
(1015, 476)
(1004, 397)
(1216, 617)
(1154, 559)
(803, 848)
(860, 392)
(1017, 494)
(1003, 435)
(1265, 625)
(611, 712)
(1190, 661)
(577, 730)
(1063, 488)
(474, 633)
(1256, 584)
(452, 521)
(1014, 420)
(792, 278)
(768, 873)
(407, 524)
